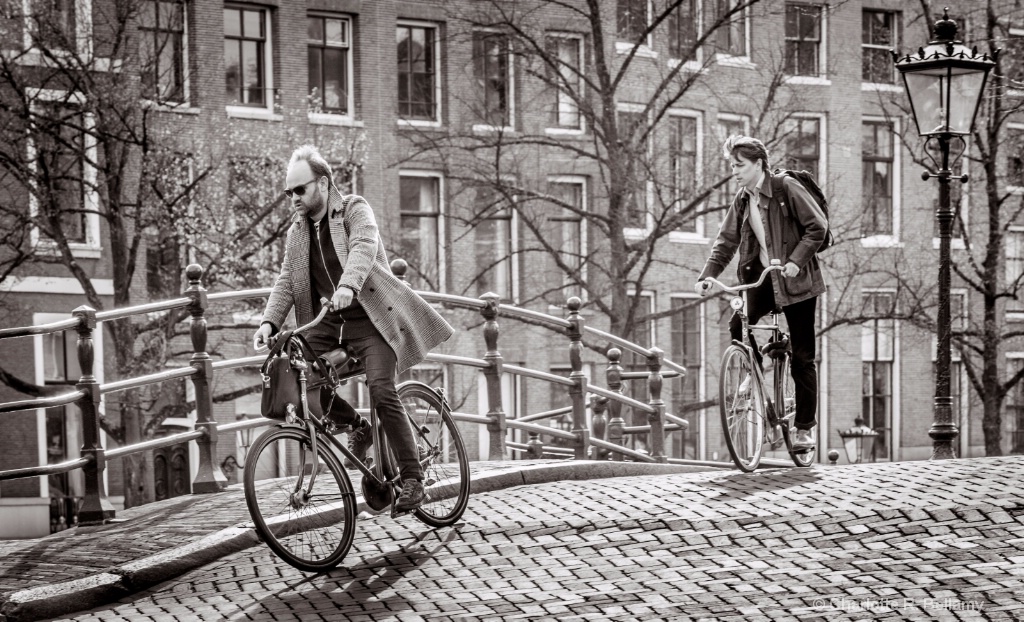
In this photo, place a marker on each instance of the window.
(877, 180)
(1015, 408)
(682, 26)
(631, 17)
(494, 245)
(63, 196)
(878, 336)
(247, 71)
(162, 49)
(1011, 59)
(802, 145)
(686, 350)
(1014, 148)
(1014, 243)
(330, 64)
(568, 52)
(492, 70)
(633, 133)
(731, 36)
(564, 232)
(727, 126)
(52, 24)
(420, 215)
(878, 36)
(683, 141)
(803, 40)
(417, 72)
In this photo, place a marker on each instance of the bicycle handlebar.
(778, 267)
(325, 306)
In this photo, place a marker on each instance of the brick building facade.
(244, 80)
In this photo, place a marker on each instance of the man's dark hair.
(748, 147)
(316, 162)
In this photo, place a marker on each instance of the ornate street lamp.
(944, 81)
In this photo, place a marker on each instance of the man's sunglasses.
(298, 190)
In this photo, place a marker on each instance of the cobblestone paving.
(904, 541)
(142, 531)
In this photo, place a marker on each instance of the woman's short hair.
(316, 162)
(746, 146)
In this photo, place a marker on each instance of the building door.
(170, 471)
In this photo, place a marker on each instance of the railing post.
(613, 376)
(496, 427)
(598, 426)
(96, 508)
(656, 418)
(577, 392)
(209, 478)
(534, 446)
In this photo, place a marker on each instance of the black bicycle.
(754, 415)
(300, 496)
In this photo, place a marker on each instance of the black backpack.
(808, 182)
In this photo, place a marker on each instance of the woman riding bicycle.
(759, 227)
(334, 251)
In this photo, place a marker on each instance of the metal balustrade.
(604, 439)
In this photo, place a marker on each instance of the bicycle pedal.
(429, 482)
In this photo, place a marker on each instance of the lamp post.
(944, 81)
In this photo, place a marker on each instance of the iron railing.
(605, 438)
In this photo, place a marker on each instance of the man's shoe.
(412, 496)
(803, 439)
(360, 439)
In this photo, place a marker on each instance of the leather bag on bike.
(281, 385)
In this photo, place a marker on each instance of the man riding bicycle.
(758, 226)
(335, 251)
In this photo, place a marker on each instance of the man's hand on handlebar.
(342, 298)
(262, 339)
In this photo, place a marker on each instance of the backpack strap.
(779, 191)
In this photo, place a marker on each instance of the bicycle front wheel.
(742, 405)
(313, 530)
(442, 454)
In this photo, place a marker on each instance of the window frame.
(186, 95)
(324, 114)
(689, 64)
(699, 234)
(1015, 360)
(441, 220)
(648, 190)
(511, 272)
(701, 370)
(510, 81)
(822, 119)
(891, 439)
(92, 247)
(1017, 32)
(1018, 128)
(83, 35)
(897, 31)
(267, 110)
(1013, 313)
(886, 240)
(581, 126)
(728, 191)
(728, 59)
(821, 48)
(438, 75)
(625, 45)
(582, 182)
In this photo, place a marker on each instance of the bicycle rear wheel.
(742, 405)
(787, 390)
(312, 532)
(442, 454)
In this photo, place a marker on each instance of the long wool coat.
(407, 322)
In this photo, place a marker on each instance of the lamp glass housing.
(944, 91)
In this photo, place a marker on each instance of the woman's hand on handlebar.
(702, 287)
(790, 270)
